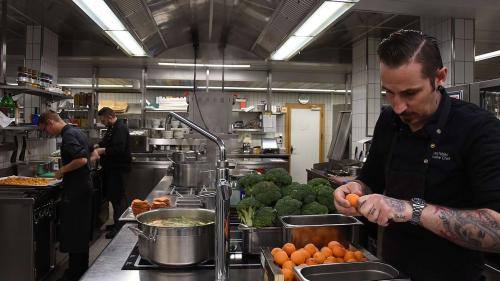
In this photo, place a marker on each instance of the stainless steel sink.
(356, 271)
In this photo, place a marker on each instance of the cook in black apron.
(74, 211)
(115, 163)
(413, 249)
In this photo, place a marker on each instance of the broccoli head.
(325, 197)
(318, 183)
(304, 193)
(266, 193)
(247, 182)
(287, 206)
(265, 216)
(314, 208)
(279, 176)
(246, 209)
(287, 190)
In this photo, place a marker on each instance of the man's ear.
(441, 76)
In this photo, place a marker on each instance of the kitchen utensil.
(178, 133)
(175, 123)
(23, 150)
(356, 153)
(176, 246)
(13, 157)
(155, 123)
(168, 134)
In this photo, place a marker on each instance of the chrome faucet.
(222, 197)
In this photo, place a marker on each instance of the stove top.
(237, 260)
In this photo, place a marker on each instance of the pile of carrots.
(288, 256)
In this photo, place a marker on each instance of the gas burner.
(236, 260)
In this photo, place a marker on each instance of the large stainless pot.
(190, 174)
(176, 246)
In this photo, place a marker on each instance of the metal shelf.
(16, 90)
(243, 111)
(81, 109)
(119, 90)
(163, 111)
(19, 129)
(153, 141)
(249, 131)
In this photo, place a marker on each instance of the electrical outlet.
(279, 140)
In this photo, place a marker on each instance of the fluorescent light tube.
(168, 87)
(101, 14)
(319, 20)
(327, 13)
(90, 86)
(104, 17)
(487, 55)
(290, 47)
(205, 65)
(127, 42)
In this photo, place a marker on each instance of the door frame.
(288, 126)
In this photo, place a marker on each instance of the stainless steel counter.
(108, 266)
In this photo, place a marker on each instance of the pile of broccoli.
(273, 195)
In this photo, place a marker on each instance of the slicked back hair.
(405, 46)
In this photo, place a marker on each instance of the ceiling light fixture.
(205, 65)
(168, 87)
(90, 86)
(487, 56)
(104, 17)
(319, 20)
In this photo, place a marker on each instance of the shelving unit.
(17, 90)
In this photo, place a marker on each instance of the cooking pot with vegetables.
(177, 236)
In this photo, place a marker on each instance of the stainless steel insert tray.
(320, 229)
(356, 271)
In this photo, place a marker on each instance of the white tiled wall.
(366, 88)
(456, 42)
(42, 50)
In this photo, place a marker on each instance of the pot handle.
(138, 232)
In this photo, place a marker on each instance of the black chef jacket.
(74, 211)
(116, 142)
(463, 173)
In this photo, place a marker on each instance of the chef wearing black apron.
(115, 160)
(74, 210)
(452, 160)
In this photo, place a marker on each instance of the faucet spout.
(222, 198)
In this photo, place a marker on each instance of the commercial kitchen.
(215, 94)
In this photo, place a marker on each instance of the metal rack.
(16, 90)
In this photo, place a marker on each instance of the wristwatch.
(418, 205)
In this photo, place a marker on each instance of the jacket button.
(433, 145)
(426, 161)
(438, 131)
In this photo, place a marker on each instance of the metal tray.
(53, 183)
(320, 229)
(256, 238)
(272, 271)
(356, 271)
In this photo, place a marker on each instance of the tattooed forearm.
(474, 229)
(398, 206)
